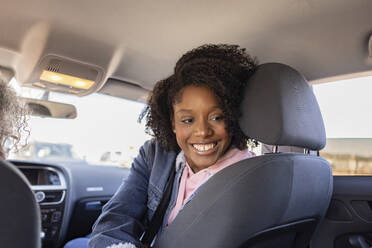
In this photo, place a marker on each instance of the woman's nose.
(203, 129)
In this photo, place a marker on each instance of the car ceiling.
(140, 41)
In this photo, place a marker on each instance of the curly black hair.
(223, 68)
(13, 118)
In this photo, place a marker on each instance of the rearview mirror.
(50, 109)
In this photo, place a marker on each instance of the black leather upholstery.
(19, 213)
(274, 200)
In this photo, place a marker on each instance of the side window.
(346, 109)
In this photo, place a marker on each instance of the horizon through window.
(345, 106)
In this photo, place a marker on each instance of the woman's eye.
(186, 121)
(217, 118)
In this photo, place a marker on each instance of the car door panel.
(348, 222)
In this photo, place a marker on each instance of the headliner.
(140, 41)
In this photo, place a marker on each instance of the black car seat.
(273, 200)
(19, 213)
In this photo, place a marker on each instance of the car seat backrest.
(274, 200)
(20, 224)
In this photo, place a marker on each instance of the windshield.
(105, 132)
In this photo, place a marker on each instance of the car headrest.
(20, 223)
(280, 108)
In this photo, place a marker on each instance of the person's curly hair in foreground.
(224, 69)
(13, 120)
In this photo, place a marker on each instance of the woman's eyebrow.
(216, 107)
(184, 110)
(190, 110)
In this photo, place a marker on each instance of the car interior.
(85, 69)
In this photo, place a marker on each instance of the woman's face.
(200, 127)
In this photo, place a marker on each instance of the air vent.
(52, 197)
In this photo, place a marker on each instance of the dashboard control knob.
(40, 196)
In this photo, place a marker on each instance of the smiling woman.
(193, 117)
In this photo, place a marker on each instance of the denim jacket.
(125, 217)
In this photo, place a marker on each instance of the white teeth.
(203, 147)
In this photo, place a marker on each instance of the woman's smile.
(205, 148)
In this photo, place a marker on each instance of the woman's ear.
(2, 154)
(173, 125)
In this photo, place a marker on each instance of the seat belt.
(157, 219)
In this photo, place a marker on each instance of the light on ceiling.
(59, 78)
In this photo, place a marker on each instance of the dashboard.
(49, 186)
(70, 196)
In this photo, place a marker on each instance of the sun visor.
(123, 89)
(55, 73)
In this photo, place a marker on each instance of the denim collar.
(180, 160)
